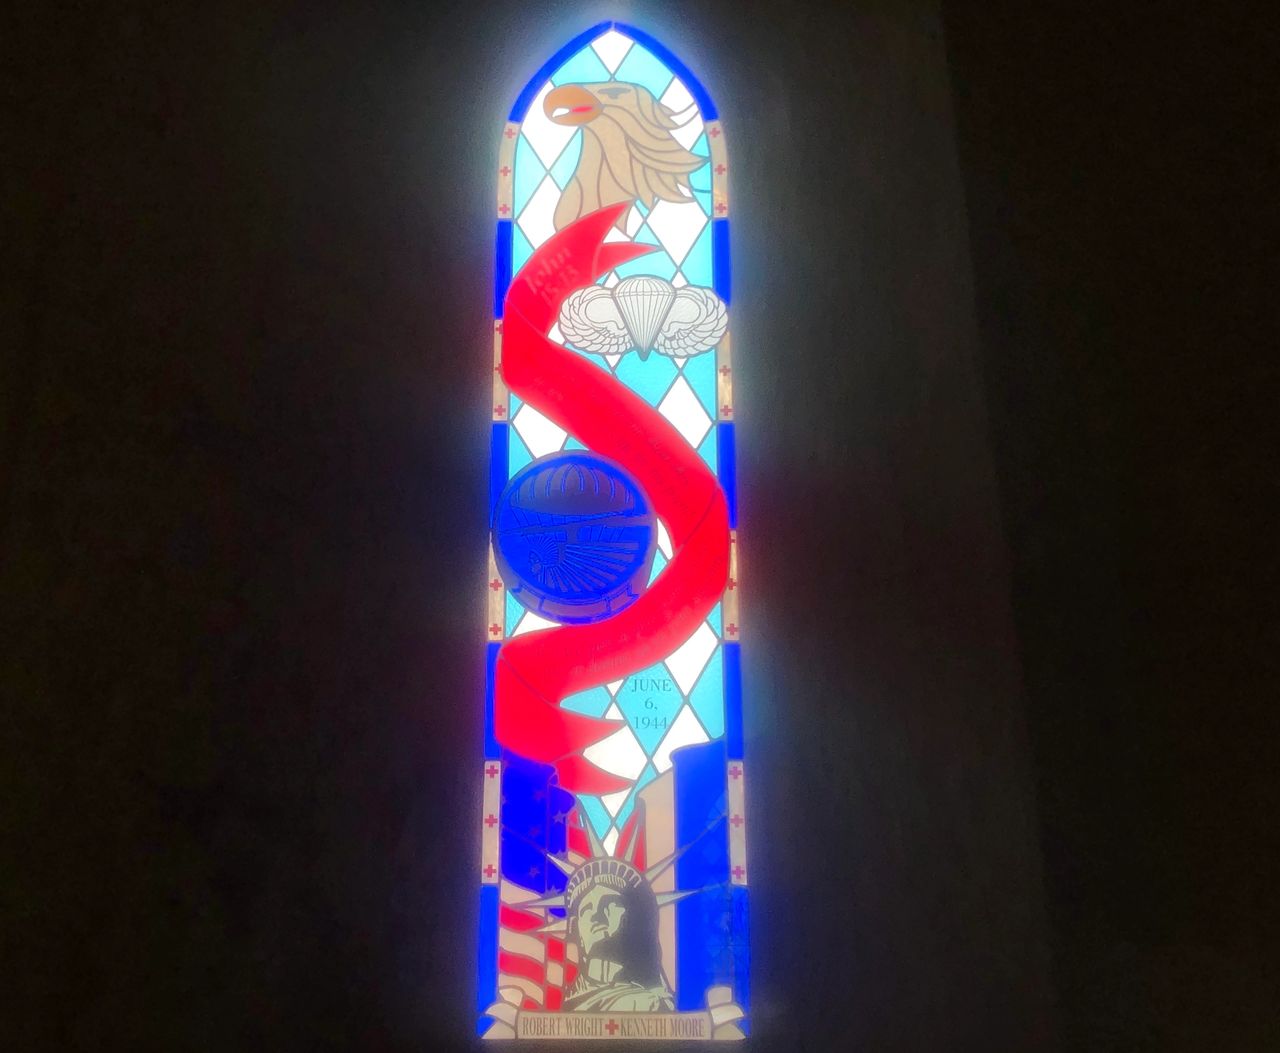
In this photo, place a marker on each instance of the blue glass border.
(733, 700)
(487, 989)
(699, 93)
(502, 267)
(722, 269)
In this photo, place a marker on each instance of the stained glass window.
(613, 876)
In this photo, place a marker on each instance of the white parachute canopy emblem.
(645, 313)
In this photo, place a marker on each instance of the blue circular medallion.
(574, 537)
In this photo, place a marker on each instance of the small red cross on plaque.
(735, 771)
(724, 371)
(497, 326)
(738, 873)
(489, 871)
(492, 771)
(733, 584)
(499, 411)
(490, 821)
(727, 410)
(503, 209)
(721, 207)
(714, 132)
(496, 584)
(495, 629)
(611, 1027)
(731, 629)
(505, 170)
(737, 820)
(510, 133)
(720, 169)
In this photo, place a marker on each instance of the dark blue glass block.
(574, 537)
(487, 963)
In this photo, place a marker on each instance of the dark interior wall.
(246, 417)
(1119, 169)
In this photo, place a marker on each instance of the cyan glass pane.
(518, 454)
(707, 696)
(697, 265)
(528, 174)
(707, 451)
(700, 372)
(563, 169)
(584, 68)
(649, 379)
(591, 703)
(628, 806)
(521, 250)
(641, 67)
(650, 701)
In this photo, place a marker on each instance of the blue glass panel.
(645, 777)
(677, 67)
(733, 699)
(491, 750)
(697, 264)
(487, 959)
(563, 168)
(519, 454)
(707, 696)
(528, 174)
(497, 463)
(741, 953)
(583, 68)
(641, 67)
(703, 956)
(533, 823)
(720, 245)
(650, 379)
(650, 701)
(502, 266)
(700, 372)
(590, 703)
(557, 60)
(727, 472)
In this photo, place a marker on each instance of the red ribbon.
(536, 671)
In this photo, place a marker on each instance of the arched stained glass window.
(614, 870)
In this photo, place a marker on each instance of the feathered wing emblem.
(645, 313)
(628, 151)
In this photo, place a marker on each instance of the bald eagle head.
(628, 151)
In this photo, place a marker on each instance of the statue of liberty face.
(598, 917)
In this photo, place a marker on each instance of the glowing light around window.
(613, 871)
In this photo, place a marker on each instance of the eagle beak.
(571, 105)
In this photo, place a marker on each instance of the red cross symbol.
(733, 584)
(611, 1027)
(505, 170)
(714, 132)
(727, 410)
(504, 208)
(720, 169)
(489, 871)
(737, 820)
(492, 771)
(731, 629)
(499, 411)
(497, 326)
(496, 629)
(490, 821)
(724, 371)
(496, 584)
(510, 133)
(721, 207)
(738, 872)
(735, 771)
